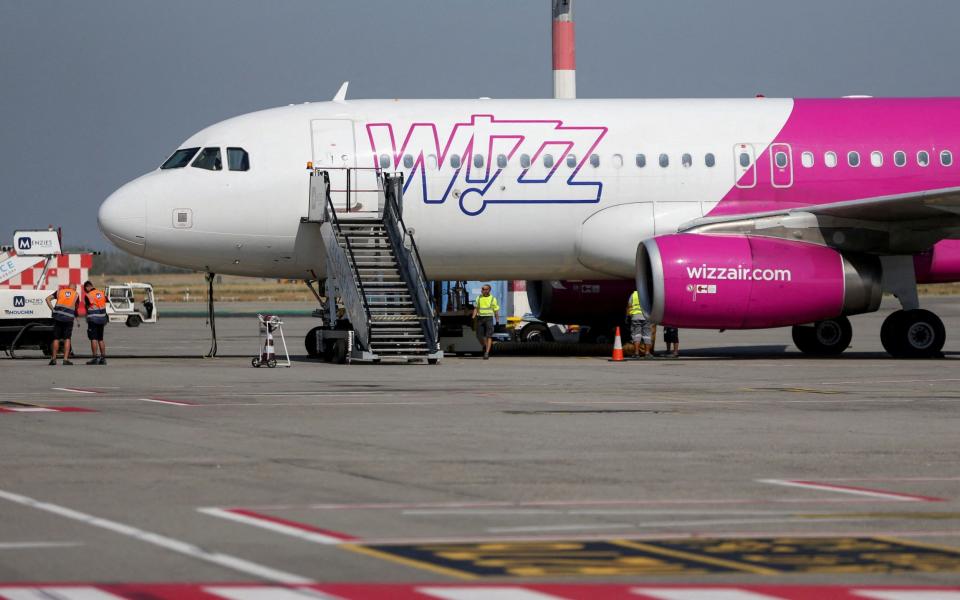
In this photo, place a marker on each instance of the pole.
(564, 50)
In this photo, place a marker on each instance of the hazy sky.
(94, 93)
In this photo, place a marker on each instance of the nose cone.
(122, 219)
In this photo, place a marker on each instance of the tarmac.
(742, 462)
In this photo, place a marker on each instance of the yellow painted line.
(409, 562)
(903, 542)
(710, 560)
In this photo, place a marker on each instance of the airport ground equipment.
(267, 354)
(374, 268)
(122, 305)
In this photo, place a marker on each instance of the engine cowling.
(579, 302)
(747, 282)
(941, 264)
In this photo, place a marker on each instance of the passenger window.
(455, 161)
(502, 161)
(923, 158)
(830, 159)
(710, 160)
(571, 160)
(180, 158)
(946, 158)
(525, 161)
(853, 159)
(407, 161)
(384, 161)
(548, 160)
(806, 159)
(876, 158)
(900, 158)
(744, 160)
(641, 160)
(594, 160)
(617, 161)
(781, 159)
(686, 160)
(478, 161)
(209, 159)
(664, 161)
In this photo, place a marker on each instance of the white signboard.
(36, 243)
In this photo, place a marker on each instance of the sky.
(98, 92)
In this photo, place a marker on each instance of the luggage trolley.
(269, 324)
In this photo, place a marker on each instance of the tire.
(255, 362)
(433, 361)
(134, 321)
(829, 337)
(913, 333)
(338, 355)
(535, 332)
(310, 343)
(272, 363)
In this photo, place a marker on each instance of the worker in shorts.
(486, 313)
(641, 330)
(95, 302)
(63, 305)
(672, 338)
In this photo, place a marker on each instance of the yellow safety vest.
(487, 306)
(635, 308)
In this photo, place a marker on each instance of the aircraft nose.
(122, 219)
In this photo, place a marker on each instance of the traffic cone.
(617, 347)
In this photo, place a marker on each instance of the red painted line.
(850, 488)
(294, 524)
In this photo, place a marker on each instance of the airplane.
(726, 213)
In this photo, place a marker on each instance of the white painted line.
(840, 489)
(173, 402)
(28, 545)
(74, 390)
(266, 593)
(29, 409)
(303, 534)
(907, 594)
(217, 558)
(485, 593)
(56, 593)
(701, 594)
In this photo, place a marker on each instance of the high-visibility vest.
(487, 306)
(96, 307)
(66, 307)
(634, 307)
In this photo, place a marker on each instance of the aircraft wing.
(916, 206)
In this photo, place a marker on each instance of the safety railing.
(411, 267)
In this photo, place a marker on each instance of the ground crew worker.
(96, 305)
(486, 312)
(63, 304)
(641, 331)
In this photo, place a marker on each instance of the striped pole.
(564, 51)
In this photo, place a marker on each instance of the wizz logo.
(492, 161)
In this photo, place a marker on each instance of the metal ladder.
(374, 266)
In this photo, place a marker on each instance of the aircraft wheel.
(914, 333)
(829, 337)
(310, 342)
(535, 332)
(338, 354)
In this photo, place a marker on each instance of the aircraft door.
(744, 160)
(781, 165)
(334, 150)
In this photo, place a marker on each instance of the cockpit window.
(180, 158)
(238, 159)
(209, 159)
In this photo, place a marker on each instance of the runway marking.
(701, 594)
(284, 526)
(271, 593)
(173, 402)
(907, 594)
(180, 547)
(23, 407)
(56, 593)
(890, 479)
(486, 593)
(857, 491)
(29, 545)
(76, 390)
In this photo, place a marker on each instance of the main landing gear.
(829, 337)
(913, 333)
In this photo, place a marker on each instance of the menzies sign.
(36, 243)
(492, 161)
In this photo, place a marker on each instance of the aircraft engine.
(941, 264)
(593, 302)
(746, 282)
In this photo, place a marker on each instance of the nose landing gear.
(913, 333)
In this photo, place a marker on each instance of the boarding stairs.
(374, 266)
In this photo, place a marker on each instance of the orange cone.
(617, 347)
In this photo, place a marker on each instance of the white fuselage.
(494, 216)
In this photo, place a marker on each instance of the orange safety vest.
(66, 307)
(96, 307)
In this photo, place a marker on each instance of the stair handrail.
(419, 285)
(356, 294)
